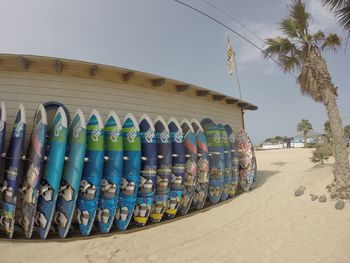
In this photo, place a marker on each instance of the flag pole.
(238, 83)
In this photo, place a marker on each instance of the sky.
(165, 38)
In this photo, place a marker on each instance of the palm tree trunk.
(305, 138)
(341, 171)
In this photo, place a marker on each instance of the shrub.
(322, 152)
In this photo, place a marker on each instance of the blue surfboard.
(191, 177)
(112, 172)
(235, 162)
(202, 186)
(13, 172)
(149, 162)
(72, 172)
(227, 161)
(131, 171)
(90, 184)
(34, 164)
(178, 167)
(164, 149)
(216, 160)
(53, 167)
(2, 143)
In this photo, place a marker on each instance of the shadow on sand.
(262, 177)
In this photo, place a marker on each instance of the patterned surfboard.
(90, 184)
(191, 177)
(164, 150)
(112, 172)
(2, 143)
(50, 183)
(178, 168)
(131, 171)
(72, 172)
(228, 162)
(149, 162)
(13, 172)
(234, 158)
(216, 160)
(202, 186)
(246, 165)
(33, 171)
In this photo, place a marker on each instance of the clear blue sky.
(165, 38)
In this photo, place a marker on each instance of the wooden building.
(33, 79)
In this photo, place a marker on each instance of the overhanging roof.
(76, 68)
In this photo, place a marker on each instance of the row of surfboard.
(115, 171)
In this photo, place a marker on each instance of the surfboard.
(2, 142)
(190, 166)
(216, 160)
(149, 162)
(131, 171)
(164, 150)
(227, 162)
(50, 183)
(246, 167)
(13, 172)
(72, 172)
(178, 167)
(235, 163)
(202, 186)
(33, 171)
(90, 184)
(112, 172)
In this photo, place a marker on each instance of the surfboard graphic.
(90, 184)
(178, 168)
(164, 149)
(2, 142)
(131, 171)
(33, 171)
(202, 186)
(216, 160)
(149, 162)
(191, 177)
(50, 183)
(246, 166)
(227, 161)
(13, 172)
(235, 163)
(72, 172)
(112, 172)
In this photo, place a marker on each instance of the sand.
(268, 224)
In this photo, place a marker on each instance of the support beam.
(218, 97)
(58, 65)
(158, 82)
(182, 88)
(202, 93)
(128, 75)
(24, 63)
(231, 101)
(93, 71)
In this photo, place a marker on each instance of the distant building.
(294, 142)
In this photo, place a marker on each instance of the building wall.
(88, 93)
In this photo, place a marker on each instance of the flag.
(230, 57)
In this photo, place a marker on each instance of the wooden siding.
(136, 97)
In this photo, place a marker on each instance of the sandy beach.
(268, 224)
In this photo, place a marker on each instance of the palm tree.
(304, 126)
(342, 11)
(327, 129)
(300, 50)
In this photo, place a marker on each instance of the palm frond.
(331, 42)
(308, 83)
(334, 4)
(289, 63)
(343, 15)
(289, 28)
(300, 16)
